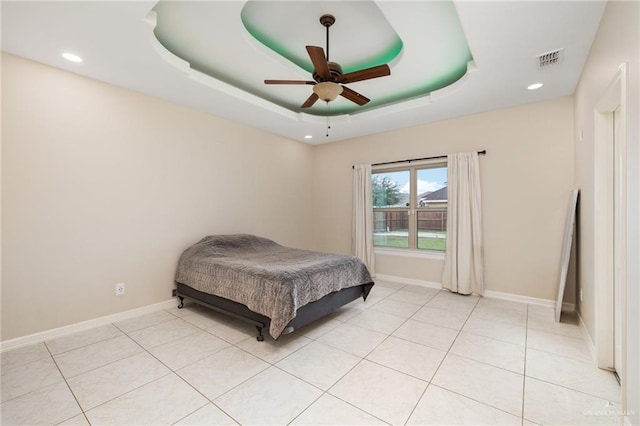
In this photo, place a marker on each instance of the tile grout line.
(362, 358)
(430, 382)
(573, 390)
(235, 345)
(148, 326)
(563, 356)
(171, 370)
(108, 363)
(488, 364)
(68, 386)
(459, 331)
(468, 397)
(48, 354)
(81, 346)
(187, 382)
(324, 392)
(113, 362)
(126, 357)
(406, 340)
(143, 349)
(475, 400)
(65, 378)
(524, 369)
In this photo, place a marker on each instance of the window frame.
(413, 208)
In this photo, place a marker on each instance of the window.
(410, 207)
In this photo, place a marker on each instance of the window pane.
(432, 205)
(391, 229)
(432, 188)
(432, 229)
(390, 189)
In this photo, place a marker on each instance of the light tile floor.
(409, 355)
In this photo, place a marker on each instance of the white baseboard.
(55, 333)
(587, 338)
(411, 281)
(570, 307)
(97, 322)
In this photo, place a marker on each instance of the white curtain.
(363, 216)
(463, 264)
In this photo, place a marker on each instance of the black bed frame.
(304, 315)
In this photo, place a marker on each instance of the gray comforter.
(268, 278)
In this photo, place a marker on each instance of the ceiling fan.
(328, 79)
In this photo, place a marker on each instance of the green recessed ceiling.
(351, 47)
(422, 42)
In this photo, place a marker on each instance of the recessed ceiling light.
(308, 137)
(72, 57)
(535, 86)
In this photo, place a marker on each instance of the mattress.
(268, 278)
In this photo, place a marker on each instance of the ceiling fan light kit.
(328, 77)
(327, 90)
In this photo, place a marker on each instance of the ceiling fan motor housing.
(327, 20)
(334, 69)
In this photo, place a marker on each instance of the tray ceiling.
(362, 37)
(237, 44)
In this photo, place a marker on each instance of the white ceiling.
(117, 43)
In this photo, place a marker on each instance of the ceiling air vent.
(549, 59)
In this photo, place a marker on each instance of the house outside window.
(410, 206)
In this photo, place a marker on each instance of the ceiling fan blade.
(310, 101)
(354, 96)
(288, 82)
(319, 61)
(366, 74)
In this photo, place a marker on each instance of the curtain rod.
(483, 152)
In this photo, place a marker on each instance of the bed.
(269, 285)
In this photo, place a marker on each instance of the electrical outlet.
(119, 289)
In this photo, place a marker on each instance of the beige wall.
(526, 176)
(617, 42)
(102, 185)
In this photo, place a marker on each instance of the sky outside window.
(429, 180)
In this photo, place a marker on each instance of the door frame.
(605, 156)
